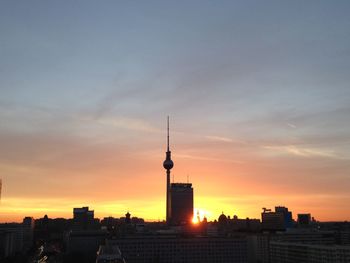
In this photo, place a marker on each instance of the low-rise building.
(171, 249)
(85, 243)
(291, 252)
(109, 254)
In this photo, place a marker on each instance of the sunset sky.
(258, 94)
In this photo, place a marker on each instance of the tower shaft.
(168, 200)
(168, 164)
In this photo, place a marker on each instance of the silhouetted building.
(287, 216)
(341, 230)
(16, 238)
(109, 254)
(222, 219)
(109, 223)
(85, 243)
(227, 226)
(181, 203)
(83, 218)
(304, 219)
(260, 243)
(7, 243)
(298, 252)
(28, 232)
(127, 218)
(281, 219)
(272, 221)
(173, 249)
(259, 248)
(306, 236)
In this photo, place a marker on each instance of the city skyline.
(257, 92)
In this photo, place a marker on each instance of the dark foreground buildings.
(130, 239)
(174, 248)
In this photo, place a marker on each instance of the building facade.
(288, 252)
(181, 203)
(28, 232)
(83, 218)
(173, 249)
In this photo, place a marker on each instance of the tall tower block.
(168, 164)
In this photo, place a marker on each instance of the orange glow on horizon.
(15, 209)
(119, 186)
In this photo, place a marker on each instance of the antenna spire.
(168, 134)
(168, 163)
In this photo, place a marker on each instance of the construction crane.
(266, 210)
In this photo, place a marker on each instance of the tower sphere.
(168, 164)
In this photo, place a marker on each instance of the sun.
(199, 215)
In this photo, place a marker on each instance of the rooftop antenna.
(188, 178)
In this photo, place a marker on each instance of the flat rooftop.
(181, 185)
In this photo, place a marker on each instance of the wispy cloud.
(223, 139)
(303, 152)
(124, 123)
(218, 138)
(196, 157)
(128, 123)
(291, 125)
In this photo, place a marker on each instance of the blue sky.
(258, 82)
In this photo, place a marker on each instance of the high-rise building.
(181, 203)
(281, 219)
(83, 218)
(287, 216)
(28, 232)
(179, 196)
(7, 243)
(11, 239)
(272, 220)
(304, 219)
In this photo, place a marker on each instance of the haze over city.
(257, 92)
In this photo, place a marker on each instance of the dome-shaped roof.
(222, 218)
